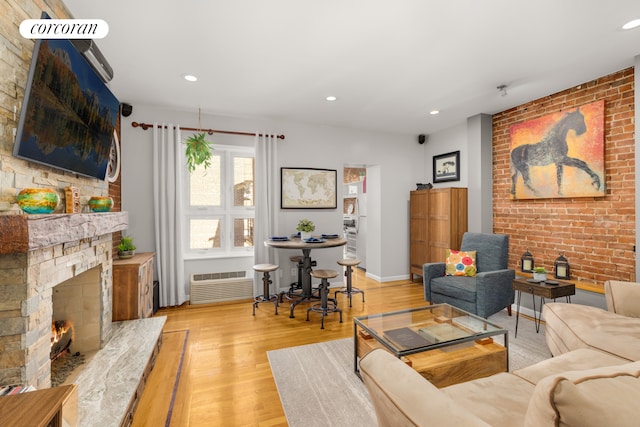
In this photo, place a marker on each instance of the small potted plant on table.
(126, 248)
(540, 274)
(305, 227)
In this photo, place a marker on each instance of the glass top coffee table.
(445, 344)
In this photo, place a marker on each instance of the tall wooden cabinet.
(437, 220)
(133, 287)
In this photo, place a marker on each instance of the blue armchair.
(490, 291)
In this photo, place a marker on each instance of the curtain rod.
(146, 126)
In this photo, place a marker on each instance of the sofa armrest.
(494, 291)
(431, 271)
(623, 297)
(402, 397)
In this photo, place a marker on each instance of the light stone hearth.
(110, 384)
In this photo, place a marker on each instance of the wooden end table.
(547, 289)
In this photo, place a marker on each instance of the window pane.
(243, 168)
(205, 185)
(243, 232)
(204, 233)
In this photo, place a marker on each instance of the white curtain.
(266, 200)
(167, 200)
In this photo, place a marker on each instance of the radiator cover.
(219, 287)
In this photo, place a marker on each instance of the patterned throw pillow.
(461, 263)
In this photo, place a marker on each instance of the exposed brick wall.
(596, 234)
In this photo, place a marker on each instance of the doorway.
(354, 210)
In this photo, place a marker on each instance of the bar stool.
(323, 308)
(266, 281)
(349, 290)
(295, 286)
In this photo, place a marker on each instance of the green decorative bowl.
(38, 200)
(100, 204)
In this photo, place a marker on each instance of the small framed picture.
(446, 167)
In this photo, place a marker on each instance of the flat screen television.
(68, 114)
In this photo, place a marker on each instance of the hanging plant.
(198, 151)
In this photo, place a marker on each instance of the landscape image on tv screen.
(69, 114)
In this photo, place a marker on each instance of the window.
(220, 205)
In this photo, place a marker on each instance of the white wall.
(447, 141)
(398, 158)
(480, 171)
(473, 139)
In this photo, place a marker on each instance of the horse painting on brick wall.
(560, 155)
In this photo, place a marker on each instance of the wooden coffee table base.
(451, 365)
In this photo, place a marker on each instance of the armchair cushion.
(458, 287)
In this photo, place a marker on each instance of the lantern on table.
(561, 267)
(527, 262)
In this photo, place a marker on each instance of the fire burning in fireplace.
(61, 337)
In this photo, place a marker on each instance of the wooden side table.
(51, 407)
(543, 290)
(133, 287)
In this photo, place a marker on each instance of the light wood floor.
(220, 350)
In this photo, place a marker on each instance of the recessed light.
(434, 112)
(631, 24)
(190, 77)
(331, 98)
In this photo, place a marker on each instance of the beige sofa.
(614, 331)
(586, 384)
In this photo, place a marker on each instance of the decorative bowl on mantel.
(100, 204)
(38, 200)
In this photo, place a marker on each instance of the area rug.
(317, 385)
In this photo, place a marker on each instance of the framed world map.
(308, 188)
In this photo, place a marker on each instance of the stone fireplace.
(66, 255)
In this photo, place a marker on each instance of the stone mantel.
(23, 233)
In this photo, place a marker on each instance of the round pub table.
(306, 247)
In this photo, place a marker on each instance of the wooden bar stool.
(349, 290)
(323, 308)
(295, 288)
(266, 281)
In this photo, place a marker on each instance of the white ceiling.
(388, 62)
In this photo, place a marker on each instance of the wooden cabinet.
(50, 407)
(418, 231)
(437, 221)
(133, 287)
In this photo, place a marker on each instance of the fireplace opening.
(61, 338)
(76, 325)
(63, 363)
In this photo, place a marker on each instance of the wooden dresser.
(133, 287)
